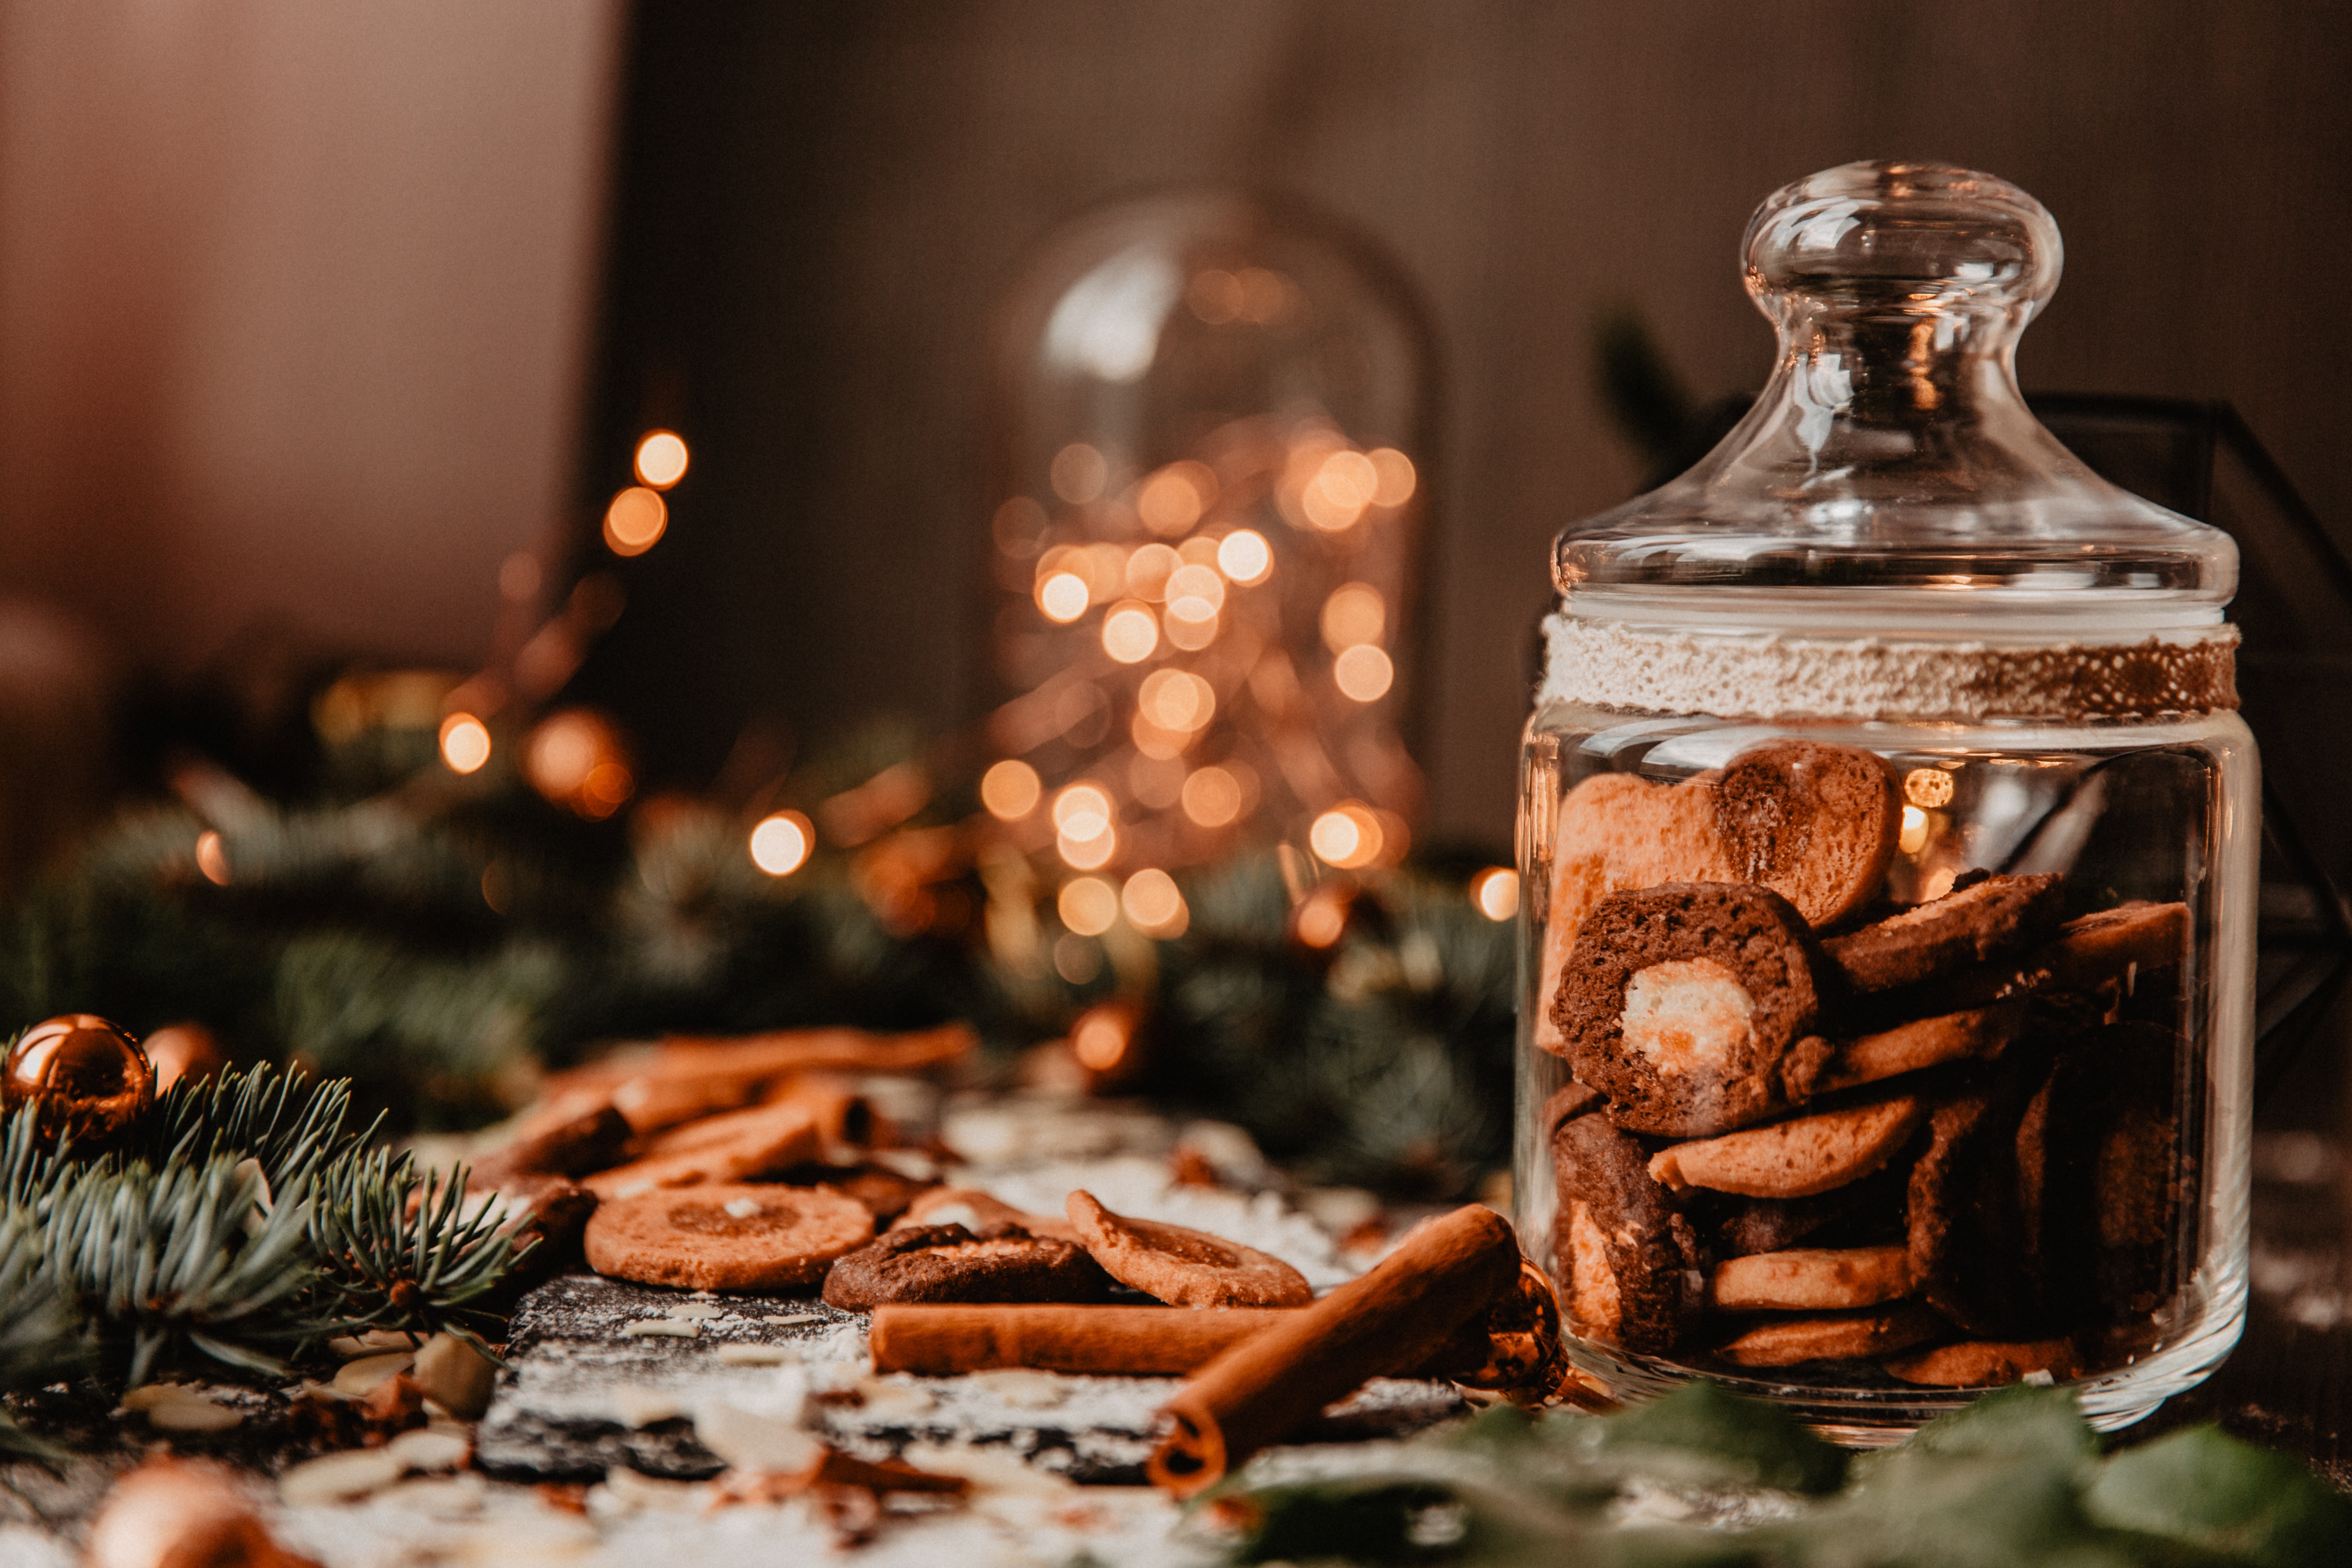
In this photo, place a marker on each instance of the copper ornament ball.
(88, 1077)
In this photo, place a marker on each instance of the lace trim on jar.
(1612, 665)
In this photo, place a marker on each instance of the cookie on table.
(977, 1211)
(948, 1263)
(1182, 1267)
(1692, 1006)
(734, 1146)
(1987, 1364)
(2098, 1179)
(1974, 924)
(1810, 1279)
(1626, 1257)
(1839, 1336)
(725, 1236)
(1967, 1226)
(1816, 823)
(1797, 1158)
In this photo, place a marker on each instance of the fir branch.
(190, 1258)
(30, 1162)
(286, 1122)
(42, 1339)
(404, 1249)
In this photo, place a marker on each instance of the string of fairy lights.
(1184, 631)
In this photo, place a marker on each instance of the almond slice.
(1182, 1267)
(1792, 1159)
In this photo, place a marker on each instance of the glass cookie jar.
(1888, 841)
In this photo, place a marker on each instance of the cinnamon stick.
(939, 1341)
(1388, 1320)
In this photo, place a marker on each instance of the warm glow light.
(635, 521)
(1172, 500)
(561, 753)
(1082, 812)
(1100, 1038)
(1266, 296)
(661, 459)
(1354, 613)
(1176, 700)
(211, 858)
(1153, 904)
(1089, 905)
(1340, 490)
(1087, 853)
(1158, 744)
(1929, 788)
(1063, 596)
(779, 844)
(464, 743)
(1079, 473)
(1195, 594)
(1348, 835)
(1915, 830)
(1190, 635)
(1010, 790)
(607, 785)
(1147, 571)
(1129, 633)
(1396, 478)
(1496, 892)
(1212, 797)
(1244, 557)
(1322, 918)
(1364, 673)
(1215, 296)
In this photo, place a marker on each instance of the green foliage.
(1702, 1479)
(42, 1339)
(398, 1249)
(288, 1125)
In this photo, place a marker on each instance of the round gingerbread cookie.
(1692, 1006)
(948, 1263)
(1976, 921)
(1182, 1267)
(725, 1235)
(1815, 822)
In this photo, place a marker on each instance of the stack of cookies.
(1806, 1129)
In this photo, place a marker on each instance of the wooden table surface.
(2289, 1383)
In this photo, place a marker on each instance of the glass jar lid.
(1890, 476)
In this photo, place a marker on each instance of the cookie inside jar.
(1887, 836)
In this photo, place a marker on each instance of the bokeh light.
(1395, 480)
(1364, 673)
(1177, 699)
(1322, 916)
(661, 459)
(1101, 1035)
(1195, 594)
(635, 521)
(1010, 790)
(1212, 796)
(1087, 853)
(1153, 903)
(1129, 633)
(1079, 473)
(1244, 557)
(1172, 500)
(1217, 296)
(1063, 596)
(1348, 836)
(1081, 811)
(781, 843)
(1496, 892)
(464, 743)
(1340, 490)
(1914, 836)
(211, 858)
(1089, 905)
(1147, 571)
(1355, 614)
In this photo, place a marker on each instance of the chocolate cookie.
(2101, 953)
(1978, 923)
(722, 1237)
(1980, 1032)
(1692, 1007)
(1627, 1259)
(1818, 822)
(1797, 1158)
(1967, 1226)
(1865, 1211)
(2097, 1182)
(948, 1263)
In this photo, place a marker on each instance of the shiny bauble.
(88, 1078)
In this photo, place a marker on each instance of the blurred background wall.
(294, 318)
